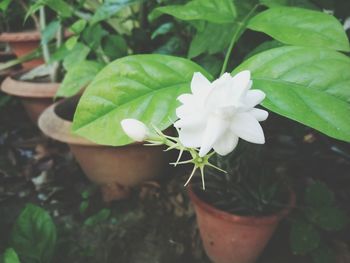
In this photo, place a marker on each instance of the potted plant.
(95, 39)
(159, 90)
(36, 87)
(65, 62)
(22, 42)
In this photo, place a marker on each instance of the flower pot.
(229, 238)
(23, 43)
(35, 96)
(115, 169)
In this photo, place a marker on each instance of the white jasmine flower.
(135, 129)
(216, 114)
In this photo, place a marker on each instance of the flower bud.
(135, 129)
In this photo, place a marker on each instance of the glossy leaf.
(144, 87)
(50, 31)
(162, 29)
(301, 85)
(10, 256)
(109, 8)
(93, 35)
(79, 76)
(34, 235)
(75, 56)
(328, 217)
(318, 195)
(301, 27)
(216, 11)
(59, 6)
(324, 254)
(304, 237)
(298, 3)
(114, 46)
(78, 26)
(5, 4)
(212, 39)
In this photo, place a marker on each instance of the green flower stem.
(199, 163)
(241, 26)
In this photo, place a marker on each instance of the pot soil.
(229, 238)
(115, 169)
(35, 96)
(23, 43)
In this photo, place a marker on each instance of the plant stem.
(56, 65)
(240, 26)
(45, 48)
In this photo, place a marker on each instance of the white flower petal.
(228, 91)
(135, 129)
(253, 98)
(226, 144)
(185, 98)
(259, 115)
(221, 93)
(245, 126)
(215, 128)
(191, 138)
(196, 119)
(241, 83)
(199, 83)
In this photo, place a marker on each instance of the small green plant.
(315, 222)
(33, 238)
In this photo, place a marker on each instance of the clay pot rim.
(64, 134)
(28, 89)
(243, 220)
(24, 36)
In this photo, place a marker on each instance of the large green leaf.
(10, 256)
(328, 217)
(59, 6)
(299, 3)
(109, 8)
(304, 237)
(319, 195)
(216, 11)
(5, 4)
(78, 77)
(301, 27)
(212, 39)
(34, 235)
(50, 31)
(144, 87)
(308, 85)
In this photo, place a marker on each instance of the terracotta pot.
(229, 238)
(35, 96)
(115, 169)
(23, 43)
